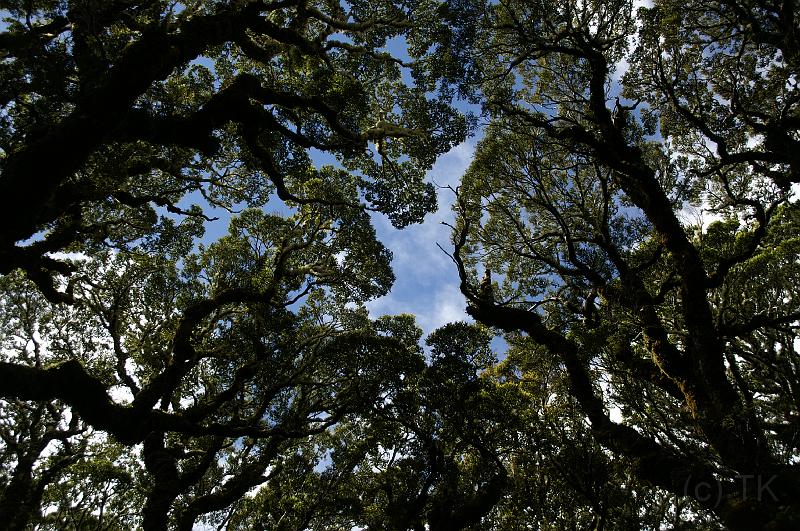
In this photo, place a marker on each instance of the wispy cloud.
(427, 283)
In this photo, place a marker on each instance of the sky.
(427, 281)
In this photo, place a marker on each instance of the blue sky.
(427, 282)
(426, 279)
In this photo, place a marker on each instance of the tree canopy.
(577, 201)
(150, 378)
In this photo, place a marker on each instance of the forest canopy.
(649, 374)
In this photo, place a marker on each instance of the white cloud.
(120, 394)
(451, 166)
(432, 307)
(427, 283)
(449, 307)
(700, 216)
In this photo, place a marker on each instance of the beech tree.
(678, 337)
(149, 380)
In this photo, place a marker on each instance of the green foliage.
(149, 380)
(579, 201)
